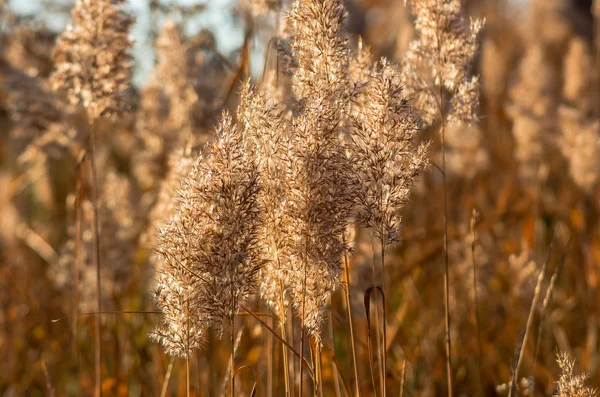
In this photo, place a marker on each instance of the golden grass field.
(365, 198)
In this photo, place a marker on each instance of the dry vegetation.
(403, 201)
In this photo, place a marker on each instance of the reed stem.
(97, 339)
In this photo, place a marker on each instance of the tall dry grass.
(403, 200)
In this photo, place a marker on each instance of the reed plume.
(532, 108)
(569, 384)
(578, 82)
(442, 57)
(93, 68)
(165, 114)
(209, 247)
(319, 50)
(264, 127)
(439, 60)
(384, 153)
(165, 206)
(92, 58)
(321, 180)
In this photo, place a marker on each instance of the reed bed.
(365, 198)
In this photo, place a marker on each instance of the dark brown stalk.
(98, 339)
(349, 310)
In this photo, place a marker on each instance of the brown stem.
(98, 339)
(232, 357)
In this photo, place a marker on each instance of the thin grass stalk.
(476, 299)
(384, 344)
(165, 385)
(448, 341)
(318, 364)
(377, 323)
(187, 376)
(77, 264)
(232, 340)
(264, 324)
(336, 377)
(98, 339)
(513, 383)
(270, 358)
(545, 304)
(349, 312)
(187, 356)
(367, 303)
(446, 257)
(293, 364)
(303, 316)
(286, 368)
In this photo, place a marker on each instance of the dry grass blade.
(403, 378)
(519, 358)
(255, 386)
(546, 302)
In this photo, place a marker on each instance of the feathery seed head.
(319, 48)
(569, 384)
(210, 245)
(92, 61)
(385, 156)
